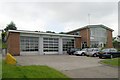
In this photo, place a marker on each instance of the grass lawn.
(27, 72)
(0, 43)
(113, 62)
(0, 65)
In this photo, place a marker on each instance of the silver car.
(93, 52)
(81, 53)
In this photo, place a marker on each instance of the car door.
(113, 52)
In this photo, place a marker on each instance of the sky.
(58, 15)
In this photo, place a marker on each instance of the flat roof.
(43, 33)
(92, 26)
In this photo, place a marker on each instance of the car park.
(93, 52)
(72, 50)
(109, 53)
(82, 52)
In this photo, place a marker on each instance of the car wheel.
(69, 54)
(83, 54)
(87, 55)
(95, 55)
(100, 57)
(77, 54)
(111, 56)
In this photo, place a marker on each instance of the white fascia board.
(43, 33)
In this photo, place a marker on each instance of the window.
(28, 43)
(76, 33)
(98, 35)
(113, 50)
(68, 43)
(105, 50)
(50, 44)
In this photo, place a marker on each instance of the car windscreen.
(77, 49)
(105, 50)
(90, 49)
(113, 50)
(84, 49)
(96, 49)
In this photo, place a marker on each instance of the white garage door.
(50, 45)
(28, 45)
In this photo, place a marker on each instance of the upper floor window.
(76, 33)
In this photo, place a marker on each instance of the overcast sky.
(58, 16)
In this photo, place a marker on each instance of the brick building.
(94, 36)
(32, 43)
(40, 43)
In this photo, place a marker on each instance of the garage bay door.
(28, 45)
(50, 45)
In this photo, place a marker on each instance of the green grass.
(34, 71)
(4, 45)
(112, 62)
(118, 49)
(0, 43)
(0, 65)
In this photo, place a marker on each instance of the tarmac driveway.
(72, 66)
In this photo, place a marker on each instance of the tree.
(3, 34)
(49, 32)
(116, 44)
(62, 33)
(10, 26)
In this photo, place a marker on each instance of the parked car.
(82, 52)
(109, 53)
(93, 52)
(72, 50)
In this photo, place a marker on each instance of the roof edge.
(90, 26)
(43, 33)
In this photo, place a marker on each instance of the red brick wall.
(109, 39)
(13, 43)
(85, 35)
(78, 42)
